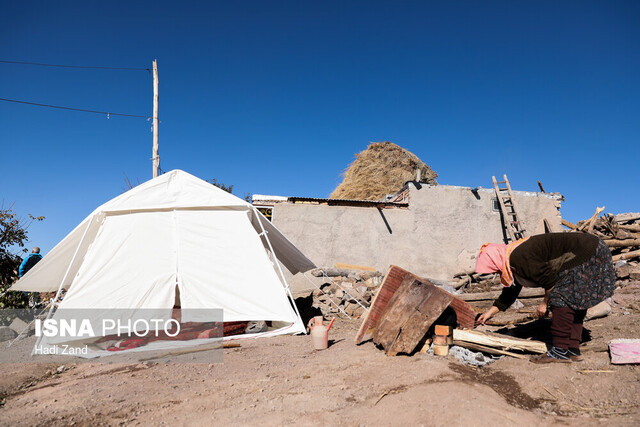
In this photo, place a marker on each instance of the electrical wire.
(75, 109)
(75, 66)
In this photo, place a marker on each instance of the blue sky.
(276, 97)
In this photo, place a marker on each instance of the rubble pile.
(350, 291)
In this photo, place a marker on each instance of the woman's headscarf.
(494, 258)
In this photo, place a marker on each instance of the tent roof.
(175, 190)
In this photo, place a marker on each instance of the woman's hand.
(541, 311)
(488, 314)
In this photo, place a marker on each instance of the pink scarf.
(494, 258)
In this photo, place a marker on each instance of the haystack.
(381, 169)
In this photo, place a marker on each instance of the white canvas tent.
(176, 229)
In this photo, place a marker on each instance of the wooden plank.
(485, 349)
(465, 313)
(343, 266)
(484, 296)
(391, 282)
(434, 302)
(400, 307)
(502, 342)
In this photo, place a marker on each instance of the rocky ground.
(282, 380)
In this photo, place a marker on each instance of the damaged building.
(434, 231)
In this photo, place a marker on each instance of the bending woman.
(576, 271)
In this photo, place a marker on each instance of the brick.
(440, 340)
(440, 350)
(443, 330)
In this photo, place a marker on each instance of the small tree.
(228, 188)
(13, 236)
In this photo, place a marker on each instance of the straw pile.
(381, 169)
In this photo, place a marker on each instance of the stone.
(18, 325)
(634, 274)
(6, 333)
(599, 310)
(364, 275)
(623, 271)
(377, 281)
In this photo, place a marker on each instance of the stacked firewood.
(622, 234)
(345, 292)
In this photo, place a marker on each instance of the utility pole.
(155, 155)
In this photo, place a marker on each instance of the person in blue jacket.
(28, 263)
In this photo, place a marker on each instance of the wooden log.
(484, 296)
(474, 275)
(627, 255)
(541, 187)
(629, 216)
(462, 282)
(589, 223)
(502, 342)
(630, 227)
(614, 243)
(568, 224)
(484, 349)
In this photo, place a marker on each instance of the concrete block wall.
(438, 235)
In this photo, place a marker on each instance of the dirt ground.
(282, 380)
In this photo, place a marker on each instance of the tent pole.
(273, 253)
(55, 299)
(320, 289)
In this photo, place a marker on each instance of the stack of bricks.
(442, 339)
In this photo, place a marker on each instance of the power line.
(74, 109)
(75, 66)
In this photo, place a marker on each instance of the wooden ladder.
(513, 225)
